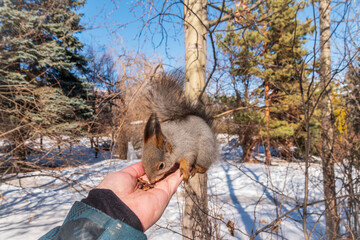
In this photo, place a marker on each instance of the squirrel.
(179, 132)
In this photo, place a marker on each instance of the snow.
(250, 195)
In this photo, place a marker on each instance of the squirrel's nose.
(152, 181)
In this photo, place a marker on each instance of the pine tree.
(271, 50)
(40, 60)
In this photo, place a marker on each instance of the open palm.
(147, 205)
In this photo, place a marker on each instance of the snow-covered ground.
(249, 195)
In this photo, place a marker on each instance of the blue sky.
(112, 26)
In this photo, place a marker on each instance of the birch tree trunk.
(327, 136)
(196, 223)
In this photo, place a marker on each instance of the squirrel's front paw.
(185, 169)
(186, 175)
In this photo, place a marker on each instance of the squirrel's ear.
(152, 128)
(168, 147)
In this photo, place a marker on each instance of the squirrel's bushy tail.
(167, 99)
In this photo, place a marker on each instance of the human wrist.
(106, 201)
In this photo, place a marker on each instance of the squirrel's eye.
(161, 166)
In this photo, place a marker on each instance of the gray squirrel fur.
(178, 129)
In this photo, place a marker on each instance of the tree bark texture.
(196, 223)
(267, 118)
(123, 143)
(327, 136)
(195, 18)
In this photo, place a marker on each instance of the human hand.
(147, 205)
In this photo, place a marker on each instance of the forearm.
(102, 215)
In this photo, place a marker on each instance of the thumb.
(172, 182)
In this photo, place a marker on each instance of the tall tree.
(241, 62)
(271, 50)
(196, 224)
(38, 53)
(352, 209)
(327, 125)
(353, 96)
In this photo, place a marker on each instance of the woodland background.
(282, 76)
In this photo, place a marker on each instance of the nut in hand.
(144, 185)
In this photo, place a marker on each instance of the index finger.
(136, 170)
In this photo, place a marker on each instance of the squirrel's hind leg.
(197, 169)
(189, 171)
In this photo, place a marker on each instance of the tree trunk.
(247, 140)
(267, 118)
(18, 149)
(41, 142)
(327, 135)
(19, 152)
(123, 143)
(195, 46)
(97, 147)
(196, 223)
(247, 151)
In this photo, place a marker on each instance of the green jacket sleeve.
(85, 222)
